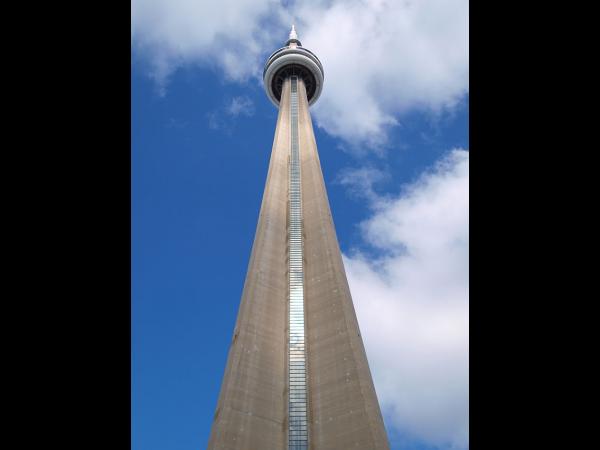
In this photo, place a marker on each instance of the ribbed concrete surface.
(252, 409)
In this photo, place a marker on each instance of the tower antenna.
(293, 34)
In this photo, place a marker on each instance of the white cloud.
(412, 303)
(381, 58)
(223, 118)
(360, 182)
(240, 105)
(227, 34)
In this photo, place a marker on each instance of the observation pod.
(293, 59)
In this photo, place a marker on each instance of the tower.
(297, 376)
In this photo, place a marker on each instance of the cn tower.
(297, 376)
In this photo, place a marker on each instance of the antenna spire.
(293, 34)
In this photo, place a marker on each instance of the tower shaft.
(297, 375)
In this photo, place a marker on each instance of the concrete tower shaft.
(297, 376)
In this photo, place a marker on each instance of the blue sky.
(202, 131)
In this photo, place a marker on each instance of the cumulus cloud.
(381, 58)
(412, 303)
(227, 34)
